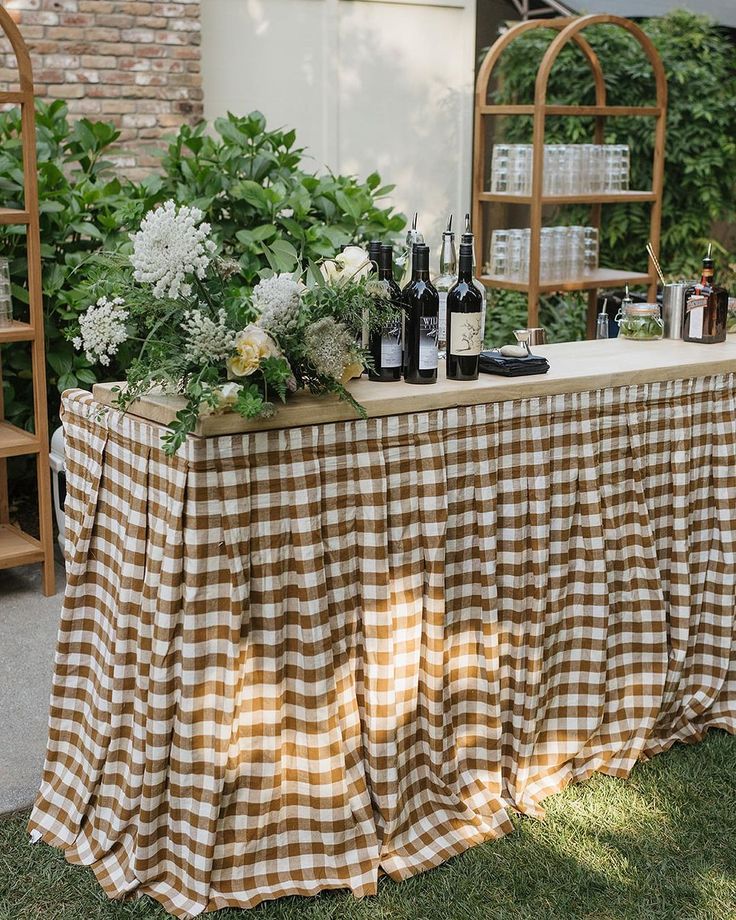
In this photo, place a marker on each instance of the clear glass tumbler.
(6, 301)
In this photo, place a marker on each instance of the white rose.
(354, 262)
(351, 264)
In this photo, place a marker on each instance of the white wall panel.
(367, 84)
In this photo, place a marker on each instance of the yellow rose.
(252, 345)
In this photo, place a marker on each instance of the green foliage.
(251, 183)
(700, 162)
(563, 320)
(79, 197)
(256, 194)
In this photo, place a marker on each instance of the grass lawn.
(660, 845)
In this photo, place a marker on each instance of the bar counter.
(304, 652)
(575, 367)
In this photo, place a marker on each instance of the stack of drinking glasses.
(569, 169)
(6, 303)
(565, 252)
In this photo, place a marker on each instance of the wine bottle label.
(442, 324)
(695, 307)
(427, 343)
(391, 355)
(466, 334)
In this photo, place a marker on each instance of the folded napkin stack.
(492, 362)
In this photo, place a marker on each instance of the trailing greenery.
(253, 185)
(658, 846)
(700, 163)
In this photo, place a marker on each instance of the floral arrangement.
(170, 299)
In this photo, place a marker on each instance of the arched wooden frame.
(569, 30)
(17, 548)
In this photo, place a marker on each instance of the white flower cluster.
(330, 347)
(102, 329)
(277, 300)
(168, 247)
(207, 339)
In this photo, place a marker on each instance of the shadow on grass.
(659, 846)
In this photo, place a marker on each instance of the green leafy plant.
(265, 208)
(79, 197)
(700, 163)
(256, 193)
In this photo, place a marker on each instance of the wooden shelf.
(14, 98)
(592, 198)
(15, 442)
(595, 110)
(16, 332)
(14, 216)
(601, 278)
(18, 548)
(538, 111)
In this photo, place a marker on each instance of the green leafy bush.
(264, 206)
(254, 191)
(78, 200)
(700, 163)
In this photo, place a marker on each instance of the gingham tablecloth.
(291, 660)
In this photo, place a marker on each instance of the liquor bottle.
(421, 306)
(404, 267)
(444, 281)
(468, 237)
(385, 344)
(706, 308)
(464, 314)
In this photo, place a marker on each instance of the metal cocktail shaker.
(673, 306)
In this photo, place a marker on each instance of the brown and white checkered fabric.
(294, 659)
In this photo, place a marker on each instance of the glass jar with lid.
(640, 321)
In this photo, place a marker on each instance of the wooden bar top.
(574, 368)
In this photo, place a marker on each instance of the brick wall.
(132, 62)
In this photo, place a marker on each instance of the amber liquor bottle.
(706, 308)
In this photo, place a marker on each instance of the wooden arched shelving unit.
(569, 30)
(17, 547)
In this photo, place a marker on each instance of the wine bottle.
(468, 237)
(374, 252)
(464, 314)
(421, 306)
(385, 344)
(444, 281)
(706, 308)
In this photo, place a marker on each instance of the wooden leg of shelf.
(533, 314)
(4, 503)
(592, 313)
(46, 523)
